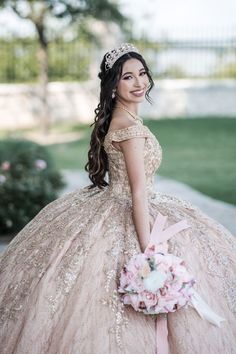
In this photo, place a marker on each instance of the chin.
(137, 99)
(132, 100)
(140, 100)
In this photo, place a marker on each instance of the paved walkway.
(223, 212)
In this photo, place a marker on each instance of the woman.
(59, 276)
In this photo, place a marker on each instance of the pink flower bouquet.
(156, 283)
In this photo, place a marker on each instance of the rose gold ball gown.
(59, 275)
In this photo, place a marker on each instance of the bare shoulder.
(121, 121)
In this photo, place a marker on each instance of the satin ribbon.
(204, 310)
(159, 238)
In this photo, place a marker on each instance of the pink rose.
(150, 299)
(5, 166)
(131, 300)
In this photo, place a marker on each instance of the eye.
(143, 73)
(127, 77)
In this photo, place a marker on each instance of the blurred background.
(50, 53)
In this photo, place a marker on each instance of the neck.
(132, 107)
(135, 116)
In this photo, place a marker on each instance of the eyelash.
(144, 72)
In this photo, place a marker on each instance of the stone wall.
(19, 103)
(192, 98)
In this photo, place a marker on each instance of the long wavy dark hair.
(97, 164)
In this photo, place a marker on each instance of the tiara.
(112, 56)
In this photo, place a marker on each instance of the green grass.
(71, 155)
(199, 152)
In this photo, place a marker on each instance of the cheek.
(123, 86)
(146, 81)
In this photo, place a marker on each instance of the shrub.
(28, 182)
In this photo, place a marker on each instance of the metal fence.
(187, 56)
(192, 54)
(67, 60)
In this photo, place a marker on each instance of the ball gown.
(59, 276)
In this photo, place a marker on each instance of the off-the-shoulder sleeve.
(134, 131)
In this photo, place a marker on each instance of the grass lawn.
(199, 152)
(72, 155)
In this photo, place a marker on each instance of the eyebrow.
(130, 72)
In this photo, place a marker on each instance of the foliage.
(227, 70)
(17, 61)
(67, 60)
(40, 12)
(173, 72)
(28, 182)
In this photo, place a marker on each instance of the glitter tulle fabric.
(59, 276)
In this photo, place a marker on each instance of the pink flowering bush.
(28, 181)
(157, 283)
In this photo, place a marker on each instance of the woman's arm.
(133, 150)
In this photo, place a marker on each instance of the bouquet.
(157, 283)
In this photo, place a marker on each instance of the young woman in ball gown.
(59, 276)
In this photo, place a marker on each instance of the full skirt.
(59, 278)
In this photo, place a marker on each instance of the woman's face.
(133, 82)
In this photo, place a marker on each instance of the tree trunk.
(43, 80)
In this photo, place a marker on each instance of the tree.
(38, 11)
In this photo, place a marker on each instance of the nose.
(137, 82)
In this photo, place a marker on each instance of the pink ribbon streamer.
(159, 238)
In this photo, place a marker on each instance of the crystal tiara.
(115, 54)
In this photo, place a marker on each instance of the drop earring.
(113, 94)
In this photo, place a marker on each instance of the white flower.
(9, 223)
(40, 164)
(154, 281)
(2, 179)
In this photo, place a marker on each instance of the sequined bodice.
(118, 179)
